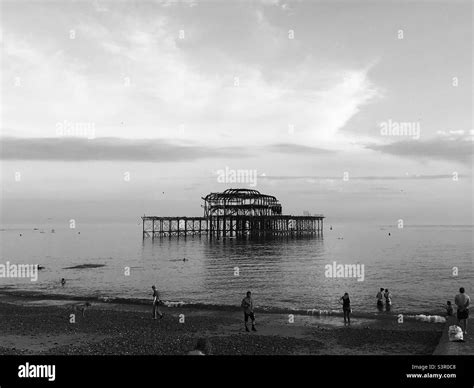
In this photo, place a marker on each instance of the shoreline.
(42, 326)
(383, 315)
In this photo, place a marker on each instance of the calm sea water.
(415, 263)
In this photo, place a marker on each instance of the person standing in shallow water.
(156, 301)
(388, 299)
(380, 299)
(346, 308)
(247, 305)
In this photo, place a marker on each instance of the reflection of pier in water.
(235, 213)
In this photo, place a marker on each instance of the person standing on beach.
(346, 308)
(388, 299)
(462, 302)
(380, 299)
(156, 301)
(247, 305)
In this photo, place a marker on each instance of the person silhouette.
(346, 308)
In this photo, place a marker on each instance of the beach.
(42, 327)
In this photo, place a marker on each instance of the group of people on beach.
(381, 295)
(384, 298)
(246, 304)
(462, 302)
(345, 301)
(203, 346)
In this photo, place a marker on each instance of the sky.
(358, 110)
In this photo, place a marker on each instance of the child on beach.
(346, 308)
(449, 309)
(156, 301)
(247, 305)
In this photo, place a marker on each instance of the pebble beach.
(44, 327)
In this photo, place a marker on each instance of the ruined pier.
(235, 213)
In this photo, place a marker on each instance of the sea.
(423, 266)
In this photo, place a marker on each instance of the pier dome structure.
(241, 202)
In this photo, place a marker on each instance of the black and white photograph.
(282, 186)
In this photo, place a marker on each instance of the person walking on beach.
(388, 299)
(63, 282)
(462, 302)
(346, 308)
(380, 299)
(156, 301)
(247, 305)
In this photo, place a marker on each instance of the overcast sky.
(112, 110)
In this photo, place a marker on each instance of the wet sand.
(43, 327)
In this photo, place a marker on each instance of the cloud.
(289, 148)
(69, 148)
(127, 65)
(107, 149)
(457, 147)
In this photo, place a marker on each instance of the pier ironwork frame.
(235, 213)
